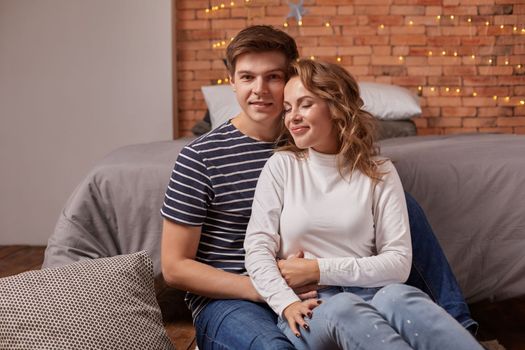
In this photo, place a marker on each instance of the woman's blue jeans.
(240, 324)
(395, 317)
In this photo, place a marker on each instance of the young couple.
(325, 201)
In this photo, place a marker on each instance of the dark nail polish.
(297, 335)
(306, 326)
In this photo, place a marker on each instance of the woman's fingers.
(297, 312)
(312, 303)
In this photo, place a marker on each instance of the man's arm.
(182, 271)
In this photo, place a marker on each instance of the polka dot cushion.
(106, 303)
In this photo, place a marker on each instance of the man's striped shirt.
(212, 185)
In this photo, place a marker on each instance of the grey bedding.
(471, 187)
(116, 208)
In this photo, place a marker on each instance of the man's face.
(258, 83)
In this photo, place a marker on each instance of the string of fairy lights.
(475, 23)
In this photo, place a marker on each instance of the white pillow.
(383, 101)
(221, 102)
(389, 102)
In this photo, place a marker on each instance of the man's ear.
(232, 83)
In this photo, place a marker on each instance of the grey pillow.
(106, 303)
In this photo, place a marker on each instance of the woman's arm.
(262, 240)
(393, 258)
(182, 271)
(392, 262)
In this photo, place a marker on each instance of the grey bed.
(471, 187)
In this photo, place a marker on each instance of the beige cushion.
(106, 303)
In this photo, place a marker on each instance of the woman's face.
(308, 119)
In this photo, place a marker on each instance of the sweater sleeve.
(393, 260)
(262, 240)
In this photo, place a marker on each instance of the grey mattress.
(471, 187)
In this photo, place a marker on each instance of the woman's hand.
(297, 311)
(298, 271)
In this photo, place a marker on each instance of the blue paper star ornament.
(296, 10)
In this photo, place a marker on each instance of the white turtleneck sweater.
(359, 233)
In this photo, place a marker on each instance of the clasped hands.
(302, 275)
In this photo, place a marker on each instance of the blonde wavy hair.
(356, 128)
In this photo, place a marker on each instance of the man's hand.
(307, 292)
(297, 311)
(298, 271)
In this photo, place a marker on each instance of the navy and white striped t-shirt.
(212, 185)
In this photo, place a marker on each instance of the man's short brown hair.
(260, 38)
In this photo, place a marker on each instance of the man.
(208, 203)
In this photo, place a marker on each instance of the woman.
(327, 193)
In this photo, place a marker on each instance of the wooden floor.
(504, 321)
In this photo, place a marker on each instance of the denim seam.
(333, 325)
(425, 282)
(212, 340)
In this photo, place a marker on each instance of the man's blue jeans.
(431, 272)
(240, 324)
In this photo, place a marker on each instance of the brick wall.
(465, 58)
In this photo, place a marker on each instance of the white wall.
(78, 78)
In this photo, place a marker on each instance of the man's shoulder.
(223, 134)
